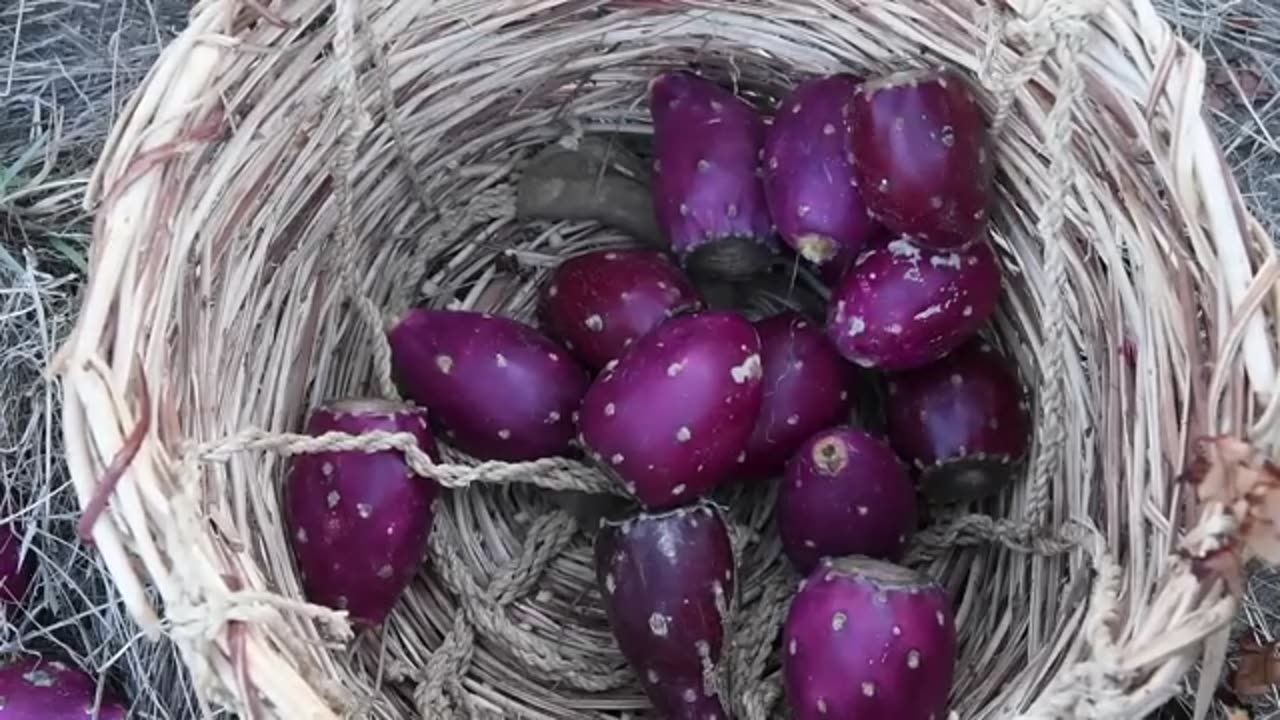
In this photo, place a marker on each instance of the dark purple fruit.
(706, 186)
(808, 171)
(359, 522)
(961, 421)
(845, 493)
(667, 581)
(33, 688)
(868, 639)
(671, 420)
(905, 305)
(497, 388)
(601, 302)
(805, 390)
(921, 155)
(16, 572)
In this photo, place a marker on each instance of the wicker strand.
(548, 473)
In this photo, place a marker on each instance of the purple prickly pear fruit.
(868, 639)
(497, 388)
(671, 420)
(16, 572)
(358, 522)
(34, 688)
(667, 581)
(805, 389)
(921, 155)
(904, 305)
(962, 421)
(845, 493)
(708, 193)
(601, 302)
(808, 172)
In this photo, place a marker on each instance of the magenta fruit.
(904, 305)
(845, 493)
(667, 581)
(497, 388)
(868, 639)
(359, 522)
(708, 193)
(671, 420)
(809, 180)
(921, 155)
(962, 422)
(805, 389)
(601, 302)
(33, 688)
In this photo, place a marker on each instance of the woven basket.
(293, 171)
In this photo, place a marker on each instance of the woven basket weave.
(292, 171)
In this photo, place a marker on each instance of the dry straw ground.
(65, 68)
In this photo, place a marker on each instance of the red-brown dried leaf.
(1257, 668)
(1247, 484)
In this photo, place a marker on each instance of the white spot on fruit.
(703, 166)
(894, 329)
(327, 469)
(856, 327)
(445, 363)
(956, 379)
(684, 434)
(838, 621)
(869, 689)
(301, 535)
(795, 109)
(594, 323)
(684, 210)
(342, 602)
(897, 630)
(950, 260)
(364, 509)
(678, 490)
(667, 545)
(904, 249)
(928, 312)
(502, 360)
(742, 456)
(38, 678)
(616, 459)
(828, 129)
(913, 659)
(504, 433)
(822, 706)
(810, 544)
(553, 417)
(675, 368)
(384, 572)
(556, 358)
(968, 310)
(690, 695)
(610, 409)
(942, 619)
(750, 369)
(610, 585)
(658, 624)
(803, 210)
(333, 498)
(653, 676)
(863, 510)
(994, 424)
(732, 210)
(793, 420)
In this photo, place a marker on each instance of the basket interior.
(505, 618)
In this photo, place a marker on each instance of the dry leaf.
(1257, 669)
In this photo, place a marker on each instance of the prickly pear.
(667, 580)
(359, 522)
(496, 388)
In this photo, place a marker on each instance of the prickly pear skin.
(707, 144)
(600, 302)
(33, 688)
(809, 181)
(905, 305)
(968, 407)
(869, 639)
(922, 155)
(497, 388)
(672, 419)
(359, 522)
(805, 390)
(16, 572)
(667, 580)
(845, 493)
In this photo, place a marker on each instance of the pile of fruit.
(881, 187)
